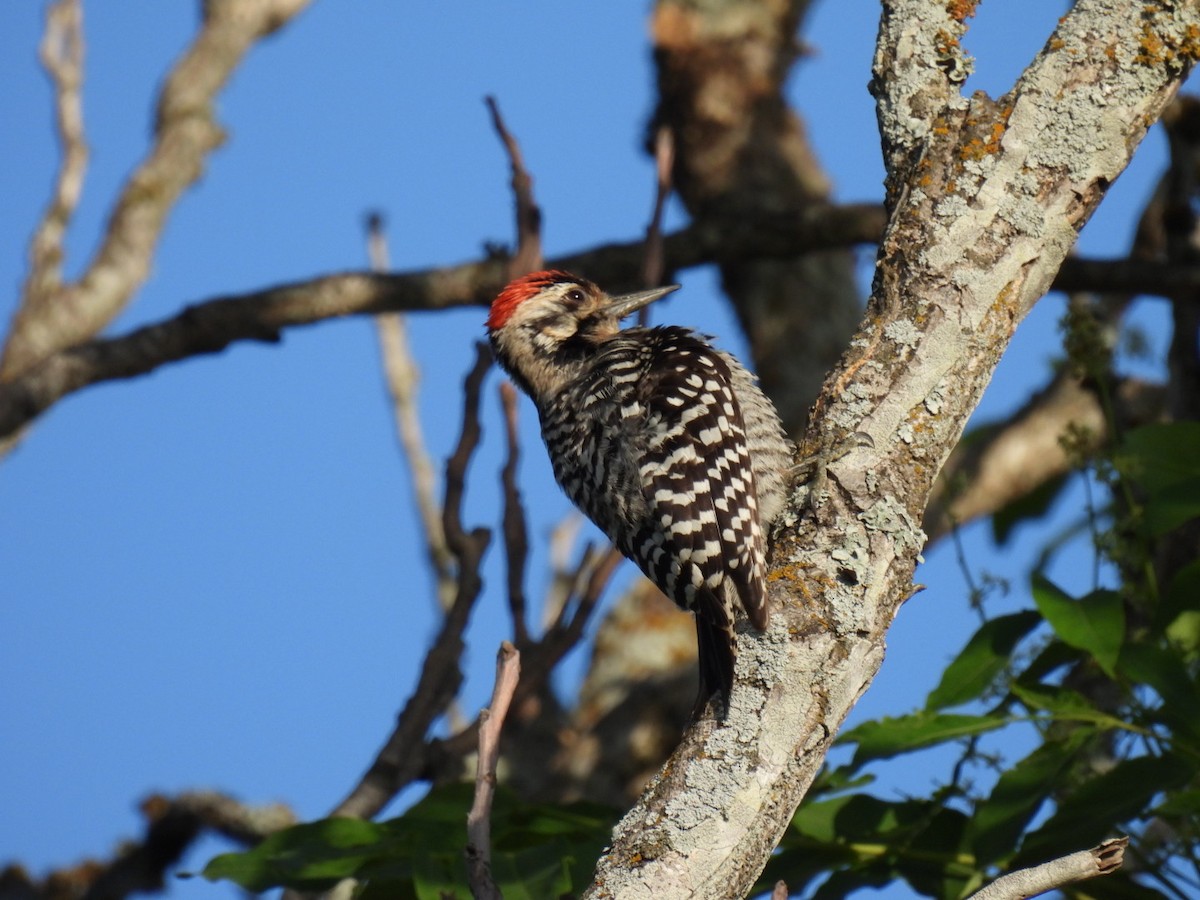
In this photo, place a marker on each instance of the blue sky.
(210, 576)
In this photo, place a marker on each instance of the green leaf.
(536, 851)
(1184, 805)
(1163, 455)
(983, 658)
(1162, 669)
(1094, 624)
(1102, 805)
(930, 862)
(1064, 704)
(1178, 615)
(1168, 509)
(1165, 460)
(1017, 796)
(311, 856)
(883, 738)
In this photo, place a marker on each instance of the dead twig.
(61, 53)
(564, 578)
(652, 263)
(491, 723)
(539, 660)
(516, 538)
(528, 256)
(402, 758)
(1100, 860)
(402, 375)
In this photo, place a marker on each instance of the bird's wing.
(703, 526)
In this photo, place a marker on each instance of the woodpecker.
(664, 441)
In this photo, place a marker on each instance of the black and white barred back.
(665, 442)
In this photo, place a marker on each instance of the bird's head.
(544, 326)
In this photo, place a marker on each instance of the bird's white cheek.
(561, 329)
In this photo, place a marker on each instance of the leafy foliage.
(1108, 683)
(537, 852)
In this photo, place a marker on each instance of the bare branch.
(173, 824)
(211, 326)
(564, 578)
(528, 257)
(516, 540)
(401, 760)
(185, 133)
(402, 379)
(491, 723)
(539, 660)
(664, 161)
(1100, 860)
(61, 53)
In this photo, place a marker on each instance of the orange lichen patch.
(1057, 43)
(961, 10)
(1166, 49)
(944, 42)
(989, 142)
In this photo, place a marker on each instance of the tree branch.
(211, 326)
(401, 759)
(516, 538)
(402, 376)
(1002, 193)
(1103, 859)
(185, 133)
(173, 824)
(1007, 461)
(528, 256)
(61, 53)
(491, 723)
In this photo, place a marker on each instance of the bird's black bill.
(631, 303)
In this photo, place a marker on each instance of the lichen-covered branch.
(986, 200)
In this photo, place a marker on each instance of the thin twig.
(456, 465)
(402, 758)
(516, 540)
(1100, 860)
(597, 581)
(491, 723)
(652, 264)
(540, 659)
(564, 579)
(403, 378)
(528, 257)
(61, 53)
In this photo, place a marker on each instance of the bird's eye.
(575, 295)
